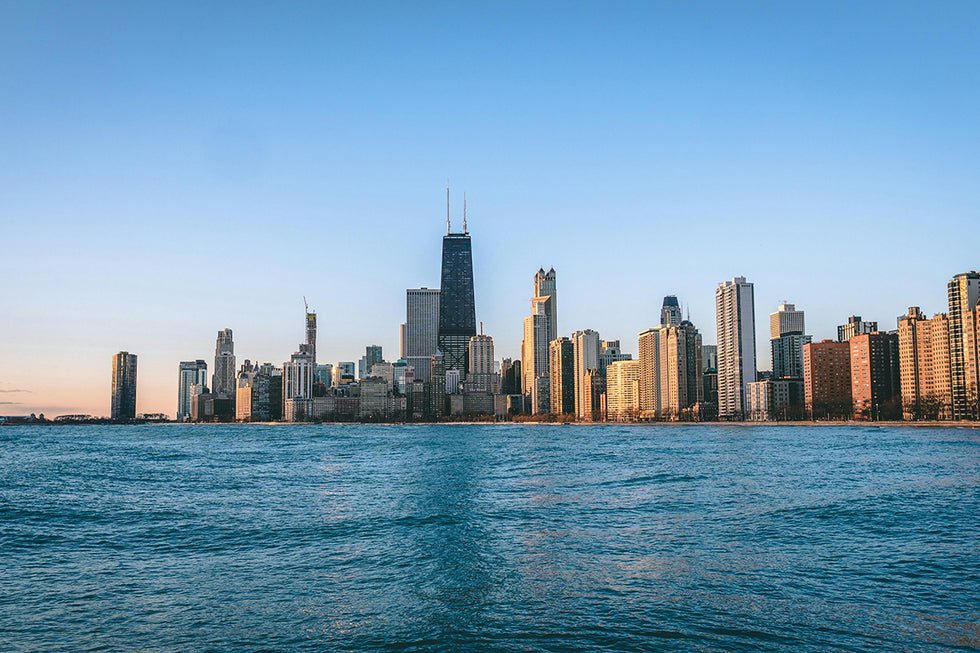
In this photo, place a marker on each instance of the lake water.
(493, 538)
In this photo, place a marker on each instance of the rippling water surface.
(504, 538)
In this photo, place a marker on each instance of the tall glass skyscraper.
(457, 306)
(123, 403)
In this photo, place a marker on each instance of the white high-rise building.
(297, 375)
(585, 351)
(191, 373)
(735, 314)
(420, 332)
(623, 390)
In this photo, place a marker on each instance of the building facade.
(585, 349)
(457, 305)
(561, 363)
(623, 390)
(123, 397)
(735, 316)
(545, 287)
(875, 381)
(962, 293)
(827, 380)
(190, 373)
(855, 326)
(420, 333)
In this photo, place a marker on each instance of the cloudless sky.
(171, 169)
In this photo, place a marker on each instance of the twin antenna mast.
(448, 228)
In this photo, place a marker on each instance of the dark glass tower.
(457, 307)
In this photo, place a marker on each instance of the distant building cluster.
(928, 368)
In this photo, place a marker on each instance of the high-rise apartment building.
(924, 353)
(457, 305)
(123, 399)
(297, 375)
(611, 352)
(585, 348)
(786, 321)
(544, 286)
(875, 385)
(511, 382)
(962, 292)
(223, 383)
(623, 390)
(649, 359)
(735, 312)
(420, 333)
(680, 369)
(855, 326)
(481, 355)
(437, 386)
(534, 355)
(670, 312)
(190, 373)
(827, 380)
(561, 364)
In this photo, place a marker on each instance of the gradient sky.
(168, 170)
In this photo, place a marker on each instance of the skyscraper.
(544, 286)
(311, 333)
(223, 385)
(190, 373)
(855, 326)
(623, 390)
(650, 403)
(875, 386)
(735, 316)
(561, 365)
(585, 347)
(534, 355)
(827, 380)
(670, 313)
(123, 400)
(481, 355)
(372, 356)
(420, 333)
(680, 368)
(963, 291)
(786, 321)
(457, 305)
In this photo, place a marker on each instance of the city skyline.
(152, 198)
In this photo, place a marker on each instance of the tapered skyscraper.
(544, 286)
(457, 306)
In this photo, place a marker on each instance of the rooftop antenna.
(305, 305)
(447, 207)
(464, 212)
(688, 312)
(481, 327)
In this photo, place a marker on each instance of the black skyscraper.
(457, 307)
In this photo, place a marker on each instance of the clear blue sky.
(168, 170)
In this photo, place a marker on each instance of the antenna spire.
(464, 211)
(447, 207)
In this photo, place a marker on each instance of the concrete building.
(420, 333)
(311, 332)
(190, 373)
(962, 292)
(534, 355)
(924, 363)
(593, 396)
(623, 390)
(481, 373)
(585, 349)
(561, 363)
(735, 315)
(855, 326)
(374, 399)
(786, 321)
(776, 399)
(827, 380)
(680, 369)
(259, 394)
(123, 396)
(875, 381)
(297, 375)
(437, 386)
(651, 405)
(610, 352)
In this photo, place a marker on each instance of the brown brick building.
(827, 379)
